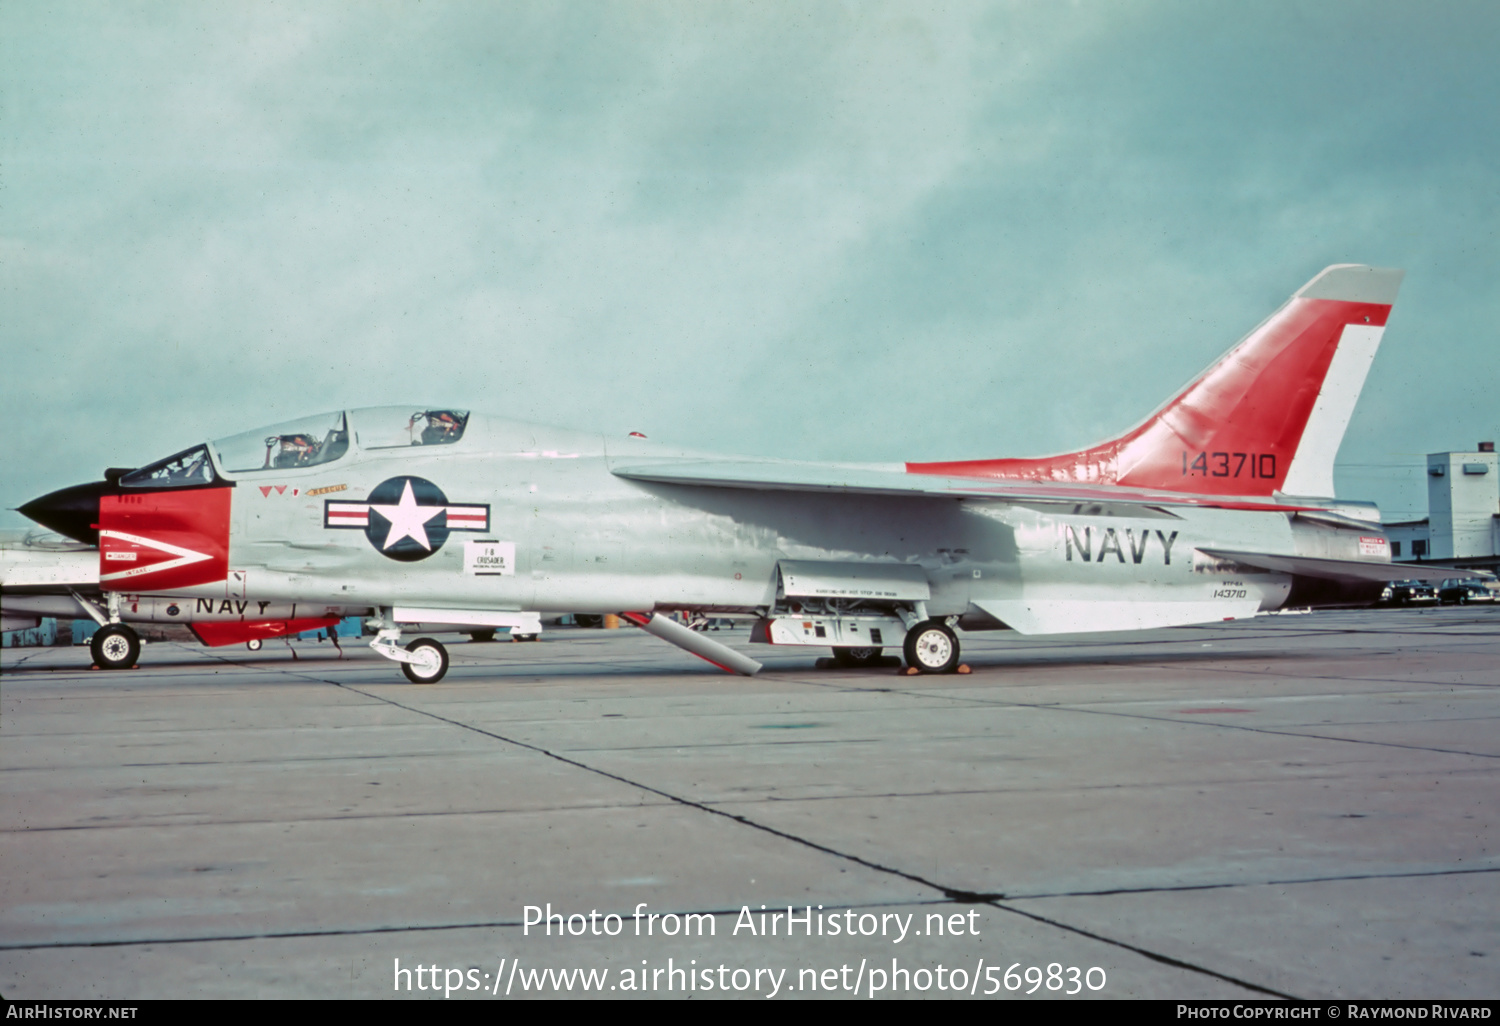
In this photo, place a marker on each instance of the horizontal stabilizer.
(1347, 571)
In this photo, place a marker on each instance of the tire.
(115, 647)
(931, 648)
(434, 662)
(589, 619)
(524, 637)
(253, 644)
(857, 656)
(488, 635)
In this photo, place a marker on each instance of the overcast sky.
(846, 231)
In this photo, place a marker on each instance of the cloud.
(876, 231)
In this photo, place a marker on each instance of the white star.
(408, 520)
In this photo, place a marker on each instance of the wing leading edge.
(877, 480)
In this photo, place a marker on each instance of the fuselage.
(574, 536)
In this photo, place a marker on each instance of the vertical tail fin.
(1267, 417)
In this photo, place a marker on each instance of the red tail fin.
(1267, 417)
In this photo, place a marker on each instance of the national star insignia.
(407, 519)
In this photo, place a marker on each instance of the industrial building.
(1462, 526)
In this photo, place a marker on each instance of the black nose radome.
(71, 511)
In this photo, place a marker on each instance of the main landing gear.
(115, 646)
(931, 647)
(429, 661)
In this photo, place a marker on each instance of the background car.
(1407, 593)
(1459, 590)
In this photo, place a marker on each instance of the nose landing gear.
(115, 647)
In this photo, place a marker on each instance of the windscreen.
(184, 470)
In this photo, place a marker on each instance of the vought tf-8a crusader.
(1217, 506)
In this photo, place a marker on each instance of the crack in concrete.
(357, 931)
(1254, 883)
(953, 894)
(1062, 707)
(1153, 955)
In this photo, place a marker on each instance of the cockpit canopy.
(324, 438)
(306, 442)
(393, 427)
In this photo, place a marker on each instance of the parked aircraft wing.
(1343, 570)
(38, 561)
(779, 475)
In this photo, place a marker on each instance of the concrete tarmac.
(1300, 806)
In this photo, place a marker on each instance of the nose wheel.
(115, 647)
(931, 647)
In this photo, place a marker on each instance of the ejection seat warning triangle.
(490, 558)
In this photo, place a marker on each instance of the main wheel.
(431, 662)
(931, 648)
(485, 635)
(115, 647)
(857, 656)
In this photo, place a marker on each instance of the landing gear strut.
(931, 647)
(424, 661)
(115, 647)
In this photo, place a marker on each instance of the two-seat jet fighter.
(1217, 506)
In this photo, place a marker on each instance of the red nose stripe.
(157, 541)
